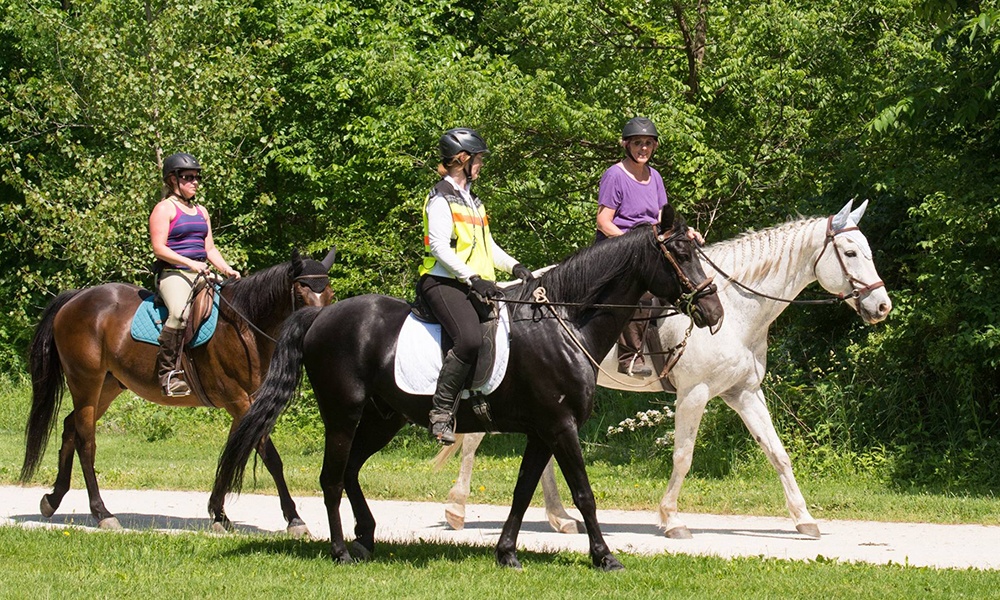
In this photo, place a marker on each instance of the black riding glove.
(521, 272)
(485, 288)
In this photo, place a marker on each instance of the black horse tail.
(270, 400)
(46, 386)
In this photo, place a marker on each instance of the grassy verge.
(142, 445)
(67, 563)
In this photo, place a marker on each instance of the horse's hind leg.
(373, 433)
(85, 419)
(559, 519)
(454, 509)
(51, 502)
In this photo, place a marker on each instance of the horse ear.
(328, 261)
(840, 219)
(859, 212)
(296, 261)
(666, 219)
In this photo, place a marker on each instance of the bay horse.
(83, 339)
(348, 350)
(780, 261)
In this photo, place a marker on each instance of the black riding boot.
(168, 363)
(450, 384)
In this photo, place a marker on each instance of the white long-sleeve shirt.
(440, 228)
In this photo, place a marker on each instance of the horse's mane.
(256, 296)
(751, 256)
(584, 275)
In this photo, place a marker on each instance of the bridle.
(687, 301)
(859, 287)
(250, 323)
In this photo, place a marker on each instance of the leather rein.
(858, 287)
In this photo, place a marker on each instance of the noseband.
(859, 287)
(687, 301)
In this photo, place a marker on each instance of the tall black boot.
(168, 363)
(450, 384)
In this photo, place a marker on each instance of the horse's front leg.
(688, 411)
(559, 519)
(752, 409)
(570, 457)
(536, 455)
(454, 510)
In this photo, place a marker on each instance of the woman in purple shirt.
(181, 235)
(632, 193)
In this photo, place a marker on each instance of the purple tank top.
(634, 203)
(187, 234)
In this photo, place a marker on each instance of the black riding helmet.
(460, 139)
(638, 126)
(180, 161)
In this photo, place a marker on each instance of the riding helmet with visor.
(180, 161)
(638, 126)
(460, 139)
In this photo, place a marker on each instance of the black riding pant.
(449, 300)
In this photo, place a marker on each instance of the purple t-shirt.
(634, 203)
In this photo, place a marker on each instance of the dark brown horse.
(348, 350)
(84, 337)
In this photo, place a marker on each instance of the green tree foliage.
(95, 95)
(317, 122)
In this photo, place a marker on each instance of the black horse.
(348, 350)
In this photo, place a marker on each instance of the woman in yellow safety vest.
(459, 258)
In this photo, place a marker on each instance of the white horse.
(758, 275)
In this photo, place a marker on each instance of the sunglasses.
(190, 178)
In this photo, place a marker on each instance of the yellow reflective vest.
(470, 236)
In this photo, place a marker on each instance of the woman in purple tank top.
(181, 235)
(631, 194)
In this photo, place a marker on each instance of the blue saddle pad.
(148, 321)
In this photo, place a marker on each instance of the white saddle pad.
(418, 356)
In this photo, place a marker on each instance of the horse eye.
(851, 253)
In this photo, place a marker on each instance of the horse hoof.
(510, 562)
(221, 528)
(47, 509)
(454, 514)
(608, 564)
(572, 526)
(359, 552)
(299, 531)
(808, 529)
(679, 533)
(110, 524)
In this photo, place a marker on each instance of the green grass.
(141, 445)
(145, 446)
(72, 563)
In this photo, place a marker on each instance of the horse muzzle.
(703, 304)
